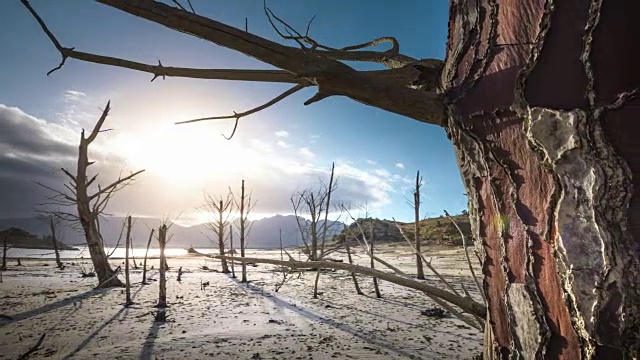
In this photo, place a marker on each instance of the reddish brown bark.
(525, 81)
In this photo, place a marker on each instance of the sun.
(182, 155)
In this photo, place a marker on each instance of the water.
(118, 253)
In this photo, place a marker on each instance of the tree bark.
(52, 226)
(543, 135)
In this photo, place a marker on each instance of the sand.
(228, 319)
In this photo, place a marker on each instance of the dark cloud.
(24, 134)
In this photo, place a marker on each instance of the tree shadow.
(149, 342)
(91, 336)
(324, 320)
(54, 306)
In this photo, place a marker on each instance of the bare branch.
(466, 252)
(237, 116)
(428, 263)
(96, 128)
(115, 184)
(71, 176)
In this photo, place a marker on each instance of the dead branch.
(331, 76)
(468, 305)
(466, 253)
(237, 116)
(390, 58)
(425, 261)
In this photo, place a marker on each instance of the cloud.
(33, 150)
(306, 152)
(282, 133)
(182, 163)
(283, 144)
(72, 95)
(400, 165)
(382, 172)
(371, 162)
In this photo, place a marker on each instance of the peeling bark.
(549, 177)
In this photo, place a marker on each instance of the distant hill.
(264, 233)
(433, 232)
(17, 237)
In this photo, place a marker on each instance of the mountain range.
(264, 233)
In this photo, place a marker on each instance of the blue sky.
(278, 151)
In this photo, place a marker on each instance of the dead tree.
(541, 112)
(232, 252)
(126, 264)
(144, 264)
(90, 203)
(245, 205)
(54, 240)
(5, 247)
(353, 274)
(325, 226)
(371, 255)
(315, 205)
(220, 209)
(416, 228)
(162, 287)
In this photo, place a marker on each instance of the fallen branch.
(467, 304)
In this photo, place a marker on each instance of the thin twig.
(237, 116)
(466, 252)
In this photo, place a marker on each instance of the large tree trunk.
(88, 219)
(549, 167)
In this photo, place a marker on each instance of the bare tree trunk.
(353, 275)
(4, 251)
(416, 209)
(133, 258)
(162, 288)
(221, 226)
(179, 274)
(541, 102)
(233, 267)
(242, 229)
(372, 241)
(144, 264)
(126, 263)
(52, 226)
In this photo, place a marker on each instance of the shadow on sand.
(54, 306)
(321, 319)
(91, 336)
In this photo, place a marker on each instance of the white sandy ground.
(230, 320)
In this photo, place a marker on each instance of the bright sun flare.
(182, 154)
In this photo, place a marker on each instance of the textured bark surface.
(544, 143)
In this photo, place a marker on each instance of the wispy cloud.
(382, 172)
(283, 144)
(73, 95)
(282, 133)
(371, 162)
(400, 165)
(305, 151)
